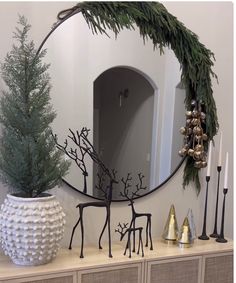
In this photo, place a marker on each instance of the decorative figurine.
(128, 231)
(85, 147)
(170, 233)
(185, 237)
(127, 185)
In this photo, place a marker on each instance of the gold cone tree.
(170, 233)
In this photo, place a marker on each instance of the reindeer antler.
(121, 228)
(89, 148)
(127, 184)
(100, 185)
(139, 186)
(114, 173)
(73, 153)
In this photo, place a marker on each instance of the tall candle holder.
(204, 235)
(215, 234)
(221, 238)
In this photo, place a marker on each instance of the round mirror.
(119, 107)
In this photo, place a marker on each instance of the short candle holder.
(215, 234)
(204, 235)
(221, 238)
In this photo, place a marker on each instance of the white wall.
(213, 22)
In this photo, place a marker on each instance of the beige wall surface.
(213, 23)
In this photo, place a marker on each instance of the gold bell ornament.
(194, 136)
(170, 233)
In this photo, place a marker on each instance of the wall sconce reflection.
(123, 95)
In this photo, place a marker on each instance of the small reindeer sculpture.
(127, 185)
(128, 231)
(81, 140)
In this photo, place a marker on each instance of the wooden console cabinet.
(205, 262)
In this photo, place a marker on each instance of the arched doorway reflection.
(123, 125)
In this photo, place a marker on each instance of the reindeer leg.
(150, 233)
(109, 228)
(72, 234)
(139, 242)
(103, 229)
(126, 247)
(82, 233)
(129, 244)
(147, 226)
(134, 236)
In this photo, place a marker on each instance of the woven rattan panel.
(64, 279)
(186, 271)
(125, 275)
(219, 269)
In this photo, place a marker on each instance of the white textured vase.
(31, 229)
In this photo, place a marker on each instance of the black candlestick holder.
(221, 238)
(204, 235)
(215, 234)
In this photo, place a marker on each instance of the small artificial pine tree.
(30, 164)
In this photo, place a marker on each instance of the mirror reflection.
(123, 122)
(127, 95)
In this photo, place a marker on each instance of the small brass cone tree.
(170, 233)
(185, 236)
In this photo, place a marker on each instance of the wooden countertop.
(69, 260)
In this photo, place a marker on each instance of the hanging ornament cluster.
(194, 135)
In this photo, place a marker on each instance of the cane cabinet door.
(69, 277)
(179, 270)
(218, 268)
(128, 273)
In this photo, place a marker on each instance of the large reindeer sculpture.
(81, 140)
(128, 231)
(126, 194)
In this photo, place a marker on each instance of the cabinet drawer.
(130, 273)
(184, 270)
(69, 277)
(218, 268)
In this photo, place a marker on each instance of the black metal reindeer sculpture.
(127, 185)
(128, 231)
(82, 141)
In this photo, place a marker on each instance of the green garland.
(155, 23)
